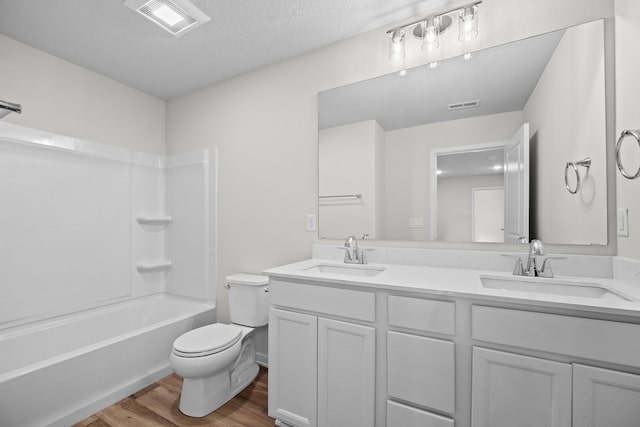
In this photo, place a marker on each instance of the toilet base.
(201, 396)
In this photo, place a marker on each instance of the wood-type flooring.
(157, 405)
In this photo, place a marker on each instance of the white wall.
(455, 207)
(566, 115)
(350, 158)
(60, 97)
(627, 95)
(407, 156)
(265, 126)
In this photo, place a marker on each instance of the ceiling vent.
(463, 105)
(175, 16)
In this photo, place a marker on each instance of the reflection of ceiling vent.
(463, 105)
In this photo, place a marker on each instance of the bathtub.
(59, 371)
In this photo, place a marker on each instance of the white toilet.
(217, 361)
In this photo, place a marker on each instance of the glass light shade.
(468, 23)
(396, 45)
(431, 31)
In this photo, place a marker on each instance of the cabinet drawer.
(406, 416)
(422, 314)
(421, 370)
(347, 303)
(602, 340)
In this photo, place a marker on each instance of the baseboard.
(262, 359)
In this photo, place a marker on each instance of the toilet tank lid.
(247, 279)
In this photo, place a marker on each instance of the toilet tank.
(248, 299)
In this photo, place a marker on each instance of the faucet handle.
(518, 268)
(545, 271)
(363, 254)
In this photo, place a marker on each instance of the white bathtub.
(59, 371)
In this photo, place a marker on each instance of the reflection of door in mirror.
(488, 214)
(516, 187)
(457, 174)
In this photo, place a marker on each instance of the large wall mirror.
(485, 148)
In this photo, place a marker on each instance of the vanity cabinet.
(353, 355)
(420, 369)
(321, 365)
(603, 397)
(509, 387)
(293, 361)
(511, 390)
(346, 365)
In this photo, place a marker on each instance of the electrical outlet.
(312, 222)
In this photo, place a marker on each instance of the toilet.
(218, 361)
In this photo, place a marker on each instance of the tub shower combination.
(106, 260)
(64, 369)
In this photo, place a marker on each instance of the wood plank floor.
(157, 405)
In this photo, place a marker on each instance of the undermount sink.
(349, 270)
(552, 286)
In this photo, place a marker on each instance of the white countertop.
(465, 283)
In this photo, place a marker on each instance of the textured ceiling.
(106, 37)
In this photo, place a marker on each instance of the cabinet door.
(346, 374)
(293, 349)
(605, 398)
(511, 390)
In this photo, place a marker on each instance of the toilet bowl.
(218, 361)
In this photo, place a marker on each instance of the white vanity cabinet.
(514, 389)
(603, 397)
(293, 361)
(511, 390)
(353, 354)
(321, 364)
(420, 369)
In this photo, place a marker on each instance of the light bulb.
(431, 31)
(468, 23)
(396, 45)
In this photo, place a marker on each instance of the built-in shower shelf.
(154, 221)
(153, 266)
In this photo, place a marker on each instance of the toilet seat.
(207, 340)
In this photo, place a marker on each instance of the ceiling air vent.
(463, 105)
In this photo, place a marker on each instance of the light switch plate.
(622, 223)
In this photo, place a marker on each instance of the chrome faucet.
(535, 248)
(352, 254)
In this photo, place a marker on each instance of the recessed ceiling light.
(168, 15)
(176, 16)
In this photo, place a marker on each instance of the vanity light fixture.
(175, 16)
(430, 29)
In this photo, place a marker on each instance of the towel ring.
(625, 133)
(585, 163)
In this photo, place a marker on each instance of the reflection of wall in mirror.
(350, 159)
(407, 167)
(566, 112)
(455, 206)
